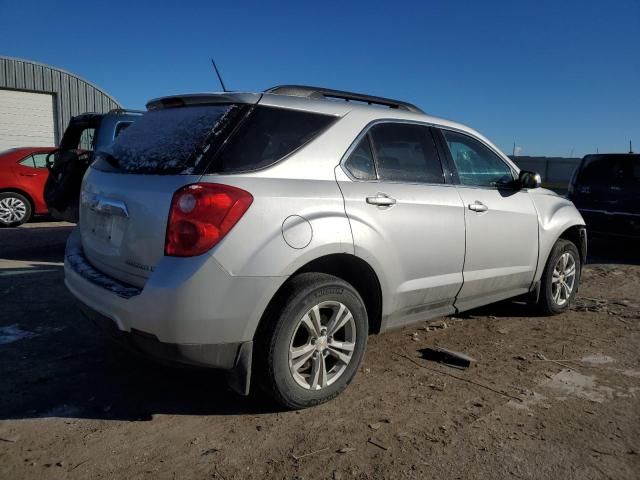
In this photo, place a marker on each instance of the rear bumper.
(191, 306)
(222, 356)
(235, 358)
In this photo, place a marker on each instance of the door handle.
(28, 174)
(381, 200)
(478, 206)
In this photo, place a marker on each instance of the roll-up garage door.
(26, 119)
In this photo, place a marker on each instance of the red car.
(23, 173)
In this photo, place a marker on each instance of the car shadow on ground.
(74, 373)
(54, 363)
(34, 244)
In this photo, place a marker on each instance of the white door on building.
(26, 119)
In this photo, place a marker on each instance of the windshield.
(167, 141)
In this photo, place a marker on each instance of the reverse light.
(201, 215)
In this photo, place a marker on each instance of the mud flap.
(239, 377)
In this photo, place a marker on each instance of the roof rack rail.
(119, 111)
(319, 92)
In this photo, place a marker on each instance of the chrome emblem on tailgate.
(101, 204)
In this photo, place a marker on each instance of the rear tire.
(15, 209)
(311, 342)
(560, 279)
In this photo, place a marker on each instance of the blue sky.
(553, 76)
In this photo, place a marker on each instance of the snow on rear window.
(169, 140)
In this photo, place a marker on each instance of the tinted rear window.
(265, 136)
(210, 139)
(623, 169)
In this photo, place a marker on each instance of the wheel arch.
(347, 267)
(21, 192)
(577, 234)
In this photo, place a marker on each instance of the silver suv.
(268, 234)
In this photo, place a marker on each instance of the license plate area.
(102, 226)
(106, 228)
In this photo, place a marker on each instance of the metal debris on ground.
(377, 443)
(298, 457)
(435, 325)
(346, 450)
(447, 357)
(210, 451)
(462, 379)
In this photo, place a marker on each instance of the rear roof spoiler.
(125, 111)
(203, 99)
(320, 92)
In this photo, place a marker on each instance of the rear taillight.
(201, 215)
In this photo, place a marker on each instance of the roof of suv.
(323, 100)
(316, 99)
(303, 91)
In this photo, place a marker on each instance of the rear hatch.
(126, 194)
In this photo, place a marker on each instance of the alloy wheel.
(322, 345)
(12, 210)
(563, 279)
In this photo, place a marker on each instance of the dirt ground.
(549, 397)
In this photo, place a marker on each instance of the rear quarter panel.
(309, 212)
(300, 185)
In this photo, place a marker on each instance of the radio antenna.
(224, 89)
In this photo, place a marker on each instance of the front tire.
(312, 342)
(15, 209)
(560, 278)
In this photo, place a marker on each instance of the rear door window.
(266, 136)
(406, 153)
(40, 160)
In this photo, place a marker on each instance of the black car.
(606, 190)
(85, 134)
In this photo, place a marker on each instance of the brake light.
(201, 215)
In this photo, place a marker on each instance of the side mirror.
(529, 179)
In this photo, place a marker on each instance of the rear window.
(622, 169)
(167, 141)
(267, 135)
(210, 139)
